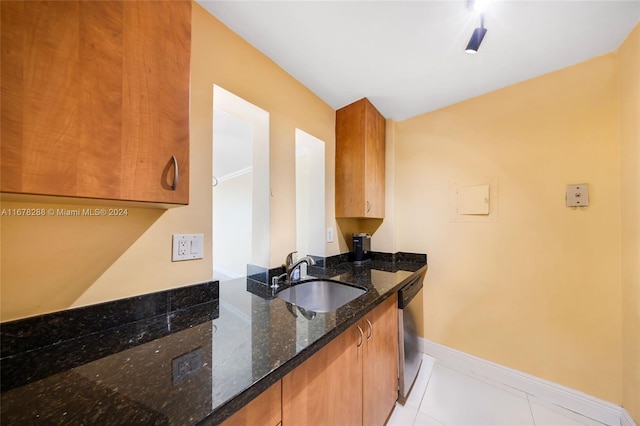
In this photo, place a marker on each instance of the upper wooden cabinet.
(360, 161)
(95, 99)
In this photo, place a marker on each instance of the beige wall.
(54, 263)
(629, 71)
(538, 289)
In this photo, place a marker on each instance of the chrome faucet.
(289, 261)
(290, 267)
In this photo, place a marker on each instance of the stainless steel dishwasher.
(410, 355)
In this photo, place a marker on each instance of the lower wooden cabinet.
(351, 381)
(327, 388)
(380, 366)
(264, 410)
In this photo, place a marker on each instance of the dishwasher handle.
(409, 291)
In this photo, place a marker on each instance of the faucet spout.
(291, 268)
(289, 261)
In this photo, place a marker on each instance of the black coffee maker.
(361, 248)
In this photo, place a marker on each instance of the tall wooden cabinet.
(360, 161)
(351, 381)
(95, 99)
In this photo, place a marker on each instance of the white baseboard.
(571, 399)
(626, 419)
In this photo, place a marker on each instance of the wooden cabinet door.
(380, 362)
(327, 388)
(350, 192)
(360, 161)
(95, 99)
(57, 120)
(156, 61)
(374, 160)
(265, 410)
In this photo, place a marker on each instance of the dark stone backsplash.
(36, 347)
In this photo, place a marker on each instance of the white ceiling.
(408, 57)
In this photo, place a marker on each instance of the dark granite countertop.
(179, 357)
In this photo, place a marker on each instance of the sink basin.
(320, 295)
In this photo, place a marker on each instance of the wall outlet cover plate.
(187, 247)
(578, 195)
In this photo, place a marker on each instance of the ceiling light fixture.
(478, 6)
(476, 37)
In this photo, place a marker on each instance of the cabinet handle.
(368, 206)
(174, 186)
(370, 330)
(361, 336)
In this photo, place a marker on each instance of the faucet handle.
(290, 260)
(275, 281)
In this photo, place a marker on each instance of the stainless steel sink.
(320, 295)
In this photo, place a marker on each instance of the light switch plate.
(578, 195)
(187, 247)
(329, 235)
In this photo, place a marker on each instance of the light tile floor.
(443, 396)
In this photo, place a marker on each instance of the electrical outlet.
(183, 247)
(187, 365)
